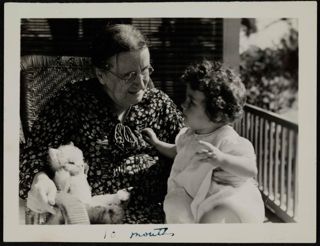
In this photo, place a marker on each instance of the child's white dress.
(196, 187)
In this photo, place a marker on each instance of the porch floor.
(271, 217)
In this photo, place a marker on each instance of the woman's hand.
(42, 194)
(208, 151)
(150, 136)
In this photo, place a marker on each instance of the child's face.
(194, 112)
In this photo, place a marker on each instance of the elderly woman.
(104, 118)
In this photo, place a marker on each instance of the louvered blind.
(174, 42)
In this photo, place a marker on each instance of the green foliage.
(271, 74)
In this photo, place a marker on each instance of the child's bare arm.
(239, 165)
(167, 149)
(243, 166)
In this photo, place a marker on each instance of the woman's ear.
(99, 74)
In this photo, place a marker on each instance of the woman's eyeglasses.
(132, 76)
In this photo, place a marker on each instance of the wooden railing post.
(276, 144)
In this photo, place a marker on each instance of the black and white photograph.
(130, 124)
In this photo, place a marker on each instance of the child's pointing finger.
(208, 146)
(202, 151)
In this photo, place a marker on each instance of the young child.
(212, 177)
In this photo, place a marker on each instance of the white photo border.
(302, 231)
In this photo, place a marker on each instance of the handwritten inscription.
(157, 232)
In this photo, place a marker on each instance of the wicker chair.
(41, 79)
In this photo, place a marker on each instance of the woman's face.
(124, 94)
(194, 112)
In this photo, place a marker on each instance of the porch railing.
(275, 140)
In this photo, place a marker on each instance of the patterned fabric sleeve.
(53, 127)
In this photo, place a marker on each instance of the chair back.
(41, 78)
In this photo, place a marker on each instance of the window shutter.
(175, 43)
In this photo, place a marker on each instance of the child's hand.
(208, 151)
(150, 136)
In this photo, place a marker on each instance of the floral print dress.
(117, 155)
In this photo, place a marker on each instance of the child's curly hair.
(223, 89)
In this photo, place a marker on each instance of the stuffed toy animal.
(109, 208)
(70, 171)
(70, 177)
